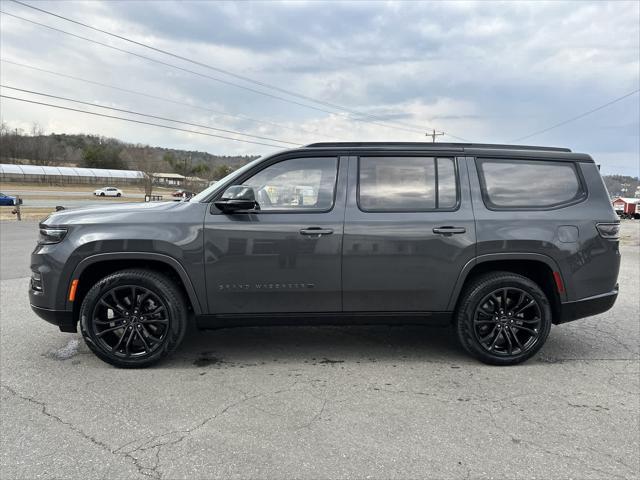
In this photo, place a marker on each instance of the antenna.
(433, 134)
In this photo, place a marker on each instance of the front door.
(409, 231)
(286, 255)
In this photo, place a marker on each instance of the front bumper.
(587, 307)
(63, 319)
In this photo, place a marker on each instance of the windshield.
(211, 188)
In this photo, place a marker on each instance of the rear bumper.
(587, 307)
(62, 319)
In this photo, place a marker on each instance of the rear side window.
(529, 183)
(407, 184)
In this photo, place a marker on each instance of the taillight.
(610, 231)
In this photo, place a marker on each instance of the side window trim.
(260, 168)
(456, 170)
(580, 197)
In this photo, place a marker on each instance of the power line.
(148, 115)
(138, 121)
(411, 129)
(217, 69)
(577, 117)
(193, 72)
(155, 97)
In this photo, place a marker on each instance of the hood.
(142, 212)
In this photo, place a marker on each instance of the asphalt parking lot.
(320, 402)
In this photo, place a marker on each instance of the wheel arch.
(537, 267)
(94, 267)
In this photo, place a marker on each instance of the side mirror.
(237, 198)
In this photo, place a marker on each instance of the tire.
(118, 194)
(133, 335)
(515, 337)
(102, 194)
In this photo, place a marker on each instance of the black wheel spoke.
(515, 337)
(155, 320)
(520, 301)
(522, 309)
(107, 322)
(141, 299)
(128, 342)
(481, 322)
(144, 342)
(151, 337)
(505, 334)
(528, 330)
(132, 301)
(117, 345)
(108, 330)
(493, 344)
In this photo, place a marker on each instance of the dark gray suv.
(500, 241)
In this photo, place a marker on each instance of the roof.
(168, 175)
(432, 145)
(51, 171)
(476, 149)
(627, 199)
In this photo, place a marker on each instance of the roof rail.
(430, 145)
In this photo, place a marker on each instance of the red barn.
(627, 207)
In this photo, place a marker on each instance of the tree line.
(93, 151)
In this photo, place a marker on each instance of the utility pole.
(433, 134)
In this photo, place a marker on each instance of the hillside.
(101, 152)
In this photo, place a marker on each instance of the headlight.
(50, 235)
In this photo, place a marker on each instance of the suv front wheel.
(503, 318)
(133, 318)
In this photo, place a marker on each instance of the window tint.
(297, 184)
(523, 183)
(406, 183)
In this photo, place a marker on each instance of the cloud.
(487, 71)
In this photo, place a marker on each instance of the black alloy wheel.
(507, 321)
(130, 321)
(503, 318)
(133, 318)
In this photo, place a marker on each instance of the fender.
(166, 259)
(489, 257)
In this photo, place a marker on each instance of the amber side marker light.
(72, 290)
(559, 284)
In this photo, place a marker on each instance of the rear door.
(409, 231)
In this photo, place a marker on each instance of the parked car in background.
(108, 192)
(500, 241)
(183, 193)
(8, 200)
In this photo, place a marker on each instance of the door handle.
(316, 231)
(449, 230)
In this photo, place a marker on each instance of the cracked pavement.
(319, 402)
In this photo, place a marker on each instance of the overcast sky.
(486, 72)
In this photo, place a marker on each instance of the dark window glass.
(406, 183)
(447, 192)
(296, 184)
(524, 183)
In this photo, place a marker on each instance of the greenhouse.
(51, 174)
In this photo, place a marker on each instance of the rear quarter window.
(529, 184)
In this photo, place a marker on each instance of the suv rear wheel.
(503, 318)
(133, 318)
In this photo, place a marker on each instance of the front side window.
(529, 183)
(407, 184)
(298, 184)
